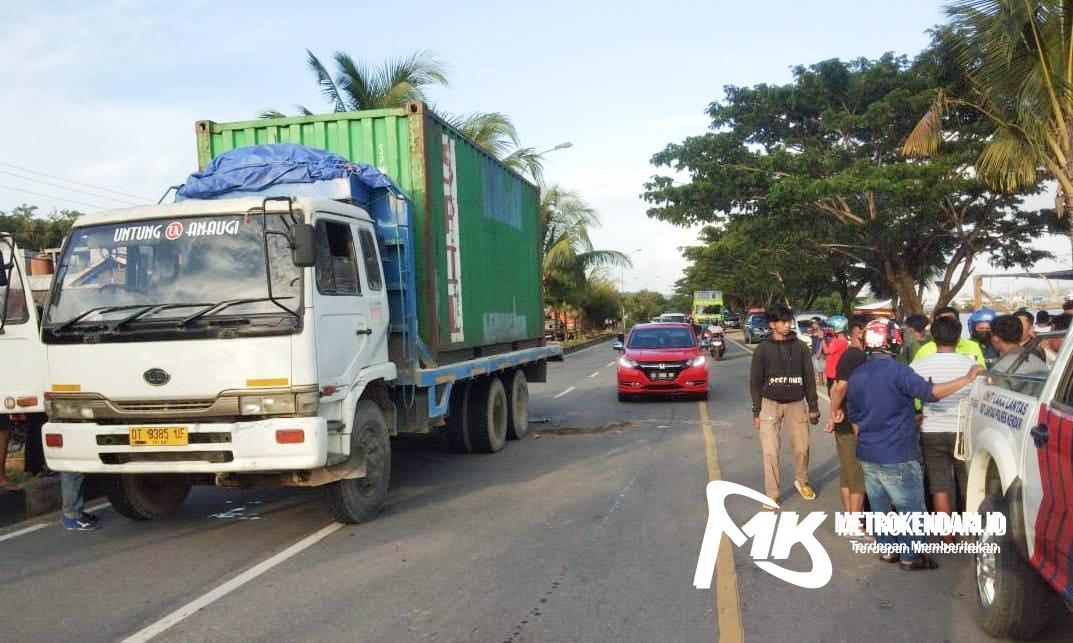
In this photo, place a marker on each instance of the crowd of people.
(896, 397)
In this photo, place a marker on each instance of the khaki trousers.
(772, 416)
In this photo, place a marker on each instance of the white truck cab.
(23, 374)
(1018, 443)
(192, 339)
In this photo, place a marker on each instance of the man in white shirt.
(940, 426)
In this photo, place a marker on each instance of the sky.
(106, 93)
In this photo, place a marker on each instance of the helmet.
(838, 323)
(882, 334)
(982, 315)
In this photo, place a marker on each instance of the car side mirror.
(618, 346)
(303, 248)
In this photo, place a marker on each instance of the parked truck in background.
(277, 330)
(23, 376)
(1018, 441)
(707, 307)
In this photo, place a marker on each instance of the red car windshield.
(642, 338)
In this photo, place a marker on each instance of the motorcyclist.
(715, 331)
(980, 331)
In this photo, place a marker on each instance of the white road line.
(610, 364)
(97, 507)
(32, 528)
(231, 585)
(25, 530)
(595, 374)
(565, 392)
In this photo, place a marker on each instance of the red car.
(662, 359)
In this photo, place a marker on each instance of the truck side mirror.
(303, 248)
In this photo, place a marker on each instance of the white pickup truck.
(1019, 447)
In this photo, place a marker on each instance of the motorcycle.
(716, 346)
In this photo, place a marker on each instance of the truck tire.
(518, 404)
(359, 499)
(458, 419)
(1015, 602)
(487, 416)
(148, 496)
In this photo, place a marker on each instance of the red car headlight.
(626, 362)
(698, 361)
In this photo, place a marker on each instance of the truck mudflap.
(270, 444)
(1053, 551)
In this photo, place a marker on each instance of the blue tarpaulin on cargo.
(249, 169)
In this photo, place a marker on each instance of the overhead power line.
(88, 185)
(50, 196)
(64, 187)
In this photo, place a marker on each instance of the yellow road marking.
(727, 603)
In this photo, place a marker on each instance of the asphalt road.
(589, 530)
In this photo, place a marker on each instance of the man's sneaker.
(78, 524)
(805, 490)
(88, 517)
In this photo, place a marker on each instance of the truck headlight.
(267, 404)
(70, 409)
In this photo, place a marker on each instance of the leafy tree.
(600, 301)
(826, 150)
(568, 257)
(643, 305)
(1019, 78)
(34, 232)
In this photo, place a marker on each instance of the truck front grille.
(163, 406)
(167, 456)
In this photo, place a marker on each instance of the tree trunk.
(906, 293)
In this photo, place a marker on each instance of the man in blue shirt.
(880, 406)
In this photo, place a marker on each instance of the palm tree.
(1018, 58)
(568, 258)
(359, 85)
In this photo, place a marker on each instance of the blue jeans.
(902, 484)
(73, 490)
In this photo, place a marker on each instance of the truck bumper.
(213, 448)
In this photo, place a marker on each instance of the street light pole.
(560, 146)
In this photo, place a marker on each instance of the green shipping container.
(479, 282)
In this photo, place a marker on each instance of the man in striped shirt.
(939, 430)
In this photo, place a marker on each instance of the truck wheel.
(518, 403)
(487, 417)
(359, 499)
(458, 419)
(1015, 602)
(148, 496)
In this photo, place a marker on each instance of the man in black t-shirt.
(852, 478)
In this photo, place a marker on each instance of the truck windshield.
(170, 269)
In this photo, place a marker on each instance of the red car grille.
(662, 371)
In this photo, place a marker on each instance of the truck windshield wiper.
(155, 309)
(99, 309)
(227, 303)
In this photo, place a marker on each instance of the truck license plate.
(159, 436)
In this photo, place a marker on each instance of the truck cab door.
(377, 322)
(20, 341)
(342, 312)
(1048, 486)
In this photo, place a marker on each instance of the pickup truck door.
(1048, 490)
